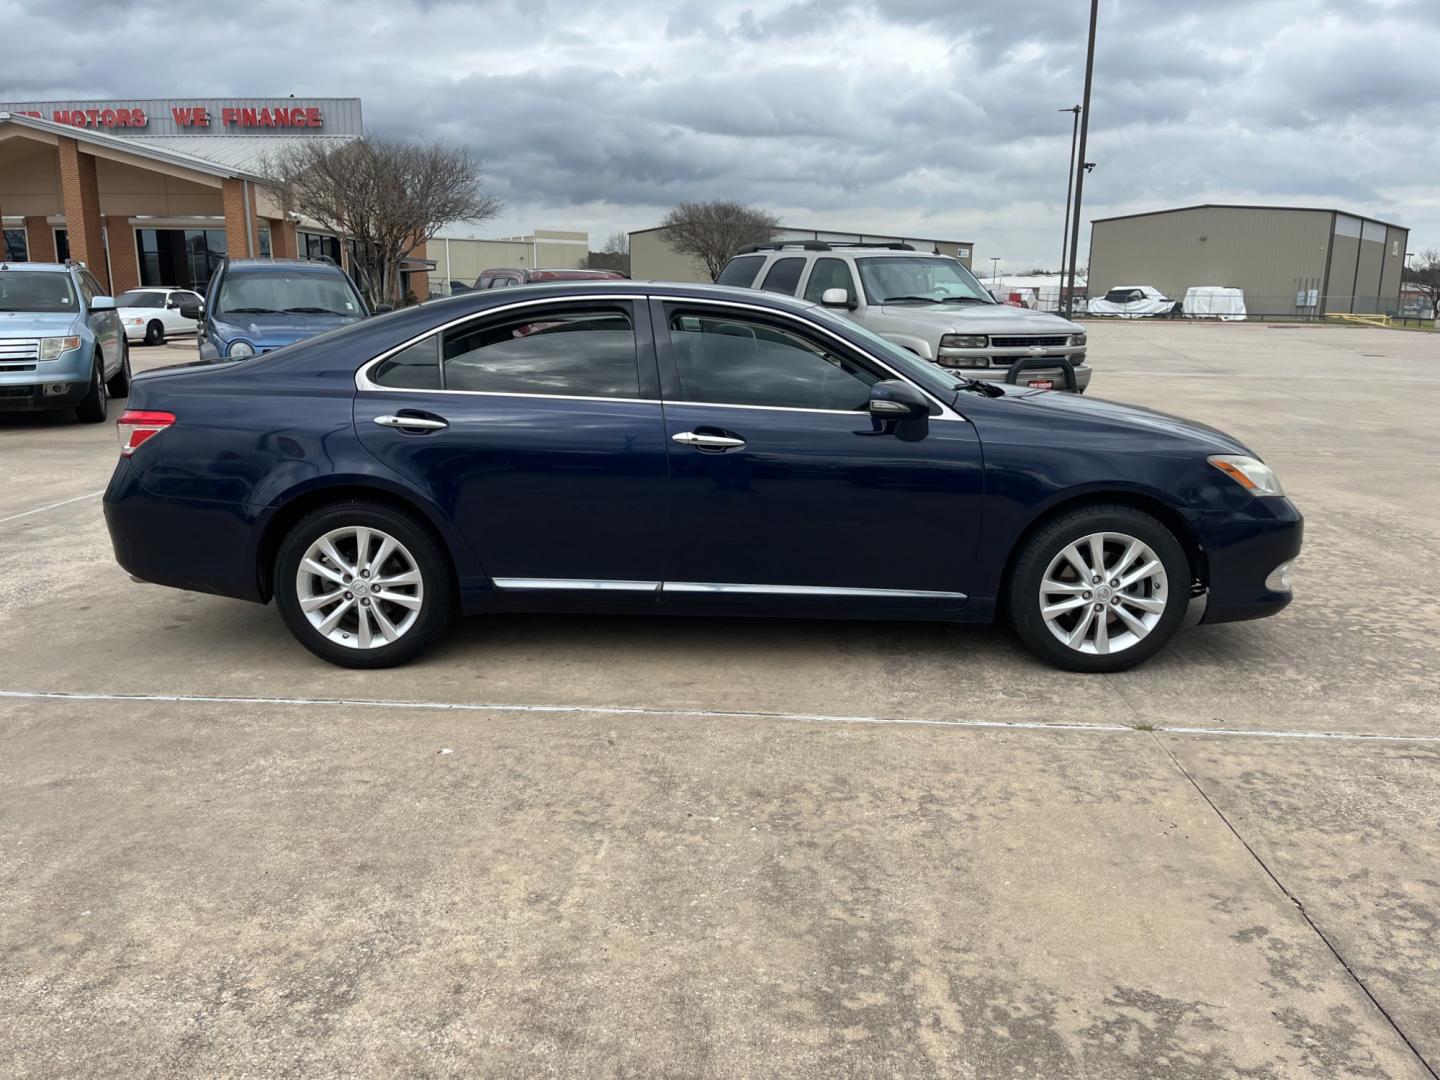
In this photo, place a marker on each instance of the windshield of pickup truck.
(921, 280)
(277, 292)
(36, 290)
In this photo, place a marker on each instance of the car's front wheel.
(119, 384)
(363, 585)
(95, 405)
(1099, 589)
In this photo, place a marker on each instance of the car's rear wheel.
(119, 384)
(155, 333)
(363, 585)
(1098, 589)
(95, 405)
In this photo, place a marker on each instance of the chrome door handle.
(706, 442)
(417, 423)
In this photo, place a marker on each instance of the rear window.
(741, 272)
(141, 298)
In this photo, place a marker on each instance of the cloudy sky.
(932, 117)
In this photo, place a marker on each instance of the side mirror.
(893, 399)
(189, 310)
(837, 298)
(381, 309)
(102, 303)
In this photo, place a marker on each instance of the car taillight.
(137, 425)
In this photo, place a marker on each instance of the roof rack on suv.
(822, 245)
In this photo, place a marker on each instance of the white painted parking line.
(707, 714)
(51, 506)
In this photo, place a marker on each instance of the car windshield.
(37, 290)
(280, 292)
(141, 298)
(922, 279)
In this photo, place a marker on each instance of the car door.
(170, 316)
(781, 483)
(537, 428)
(104, 324)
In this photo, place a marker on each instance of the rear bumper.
(1242, 551)
(196, 544)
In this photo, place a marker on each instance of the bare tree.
(1423, 275)
(714, 231)
(617, 244)
(388, 196)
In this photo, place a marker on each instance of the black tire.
(1041, 548)
(155, 333)
(119, 384)
(430, 559)
(95, 405)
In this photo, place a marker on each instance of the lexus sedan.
(618, 446)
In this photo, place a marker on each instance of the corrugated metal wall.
(1267, 252)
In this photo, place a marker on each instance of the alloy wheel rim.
(1104, 593)
(359, 587)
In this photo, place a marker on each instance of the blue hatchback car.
(255, 306)
(674, 448)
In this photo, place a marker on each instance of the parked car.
(61, 343)
(506, 277)
(150, 313)
(258, 305)
(671, 448)
(1133, 302)
(929, 304)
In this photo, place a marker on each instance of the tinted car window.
(581, 353)
(784, 276)
(741, 272)
(732, 361)
(36, 290)
(414, 368)
(89, 288)
(829, 274)
(141, 298)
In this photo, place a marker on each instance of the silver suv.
(929, 304)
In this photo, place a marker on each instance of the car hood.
(273, 331)
(982, 318)
(38, 323)
(1111, 416)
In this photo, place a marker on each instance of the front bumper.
(994, 364)
(34, 385)
(1242, 551)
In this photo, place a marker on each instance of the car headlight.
(52, 347)
(1077, 339)
(1250, 473)
(240, 349)
(964, 341)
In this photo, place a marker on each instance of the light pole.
(1084, 133)
(994, 268)
(1069, 190)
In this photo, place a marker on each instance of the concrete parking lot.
(703, 848)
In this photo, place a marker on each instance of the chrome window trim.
(363, 382)
(806, 590)
(576, 584)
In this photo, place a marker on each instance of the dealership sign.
(195, 116)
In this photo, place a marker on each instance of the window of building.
(741, 272)
(263, 238)
(319, 245)
(62, 244)
(783, 276)
(586, 352)
(829, 274)
(414, 368)
(185, 258)
(724, 360)
(17, 247)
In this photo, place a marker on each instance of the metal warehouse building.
(1289, 260)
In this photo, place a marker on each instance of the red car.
(505, 277)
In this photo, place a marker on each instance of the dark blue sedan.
(687, 449)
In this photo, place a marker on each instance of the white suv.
(929, 304)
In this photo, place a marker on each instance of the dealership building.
(157, 192)
(653, 259)
(1288, 260)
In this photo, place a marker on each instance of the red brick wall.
(80, 192)
(40, 239)
(238, 243)
(124, 262)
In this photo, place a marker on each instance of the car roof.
(315, 265)
(858, 251)
(479, 299)
(49, 267)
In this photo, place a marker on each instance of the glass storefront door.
(180, 258)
